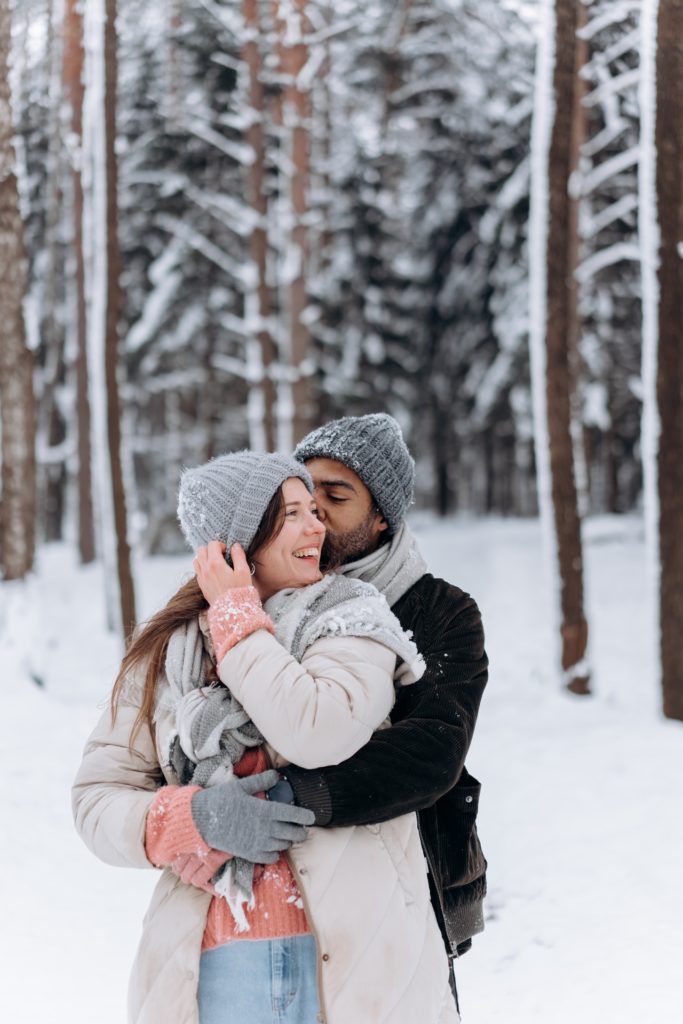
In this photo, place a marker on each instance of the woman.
(340, 928)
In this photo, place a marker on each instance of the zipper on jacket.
(302, 892)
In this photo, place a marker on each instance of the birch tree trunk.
(553, 253)
(661, 222)
(73, 88)
(17, 403)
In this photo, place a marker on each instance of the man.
(364, 476)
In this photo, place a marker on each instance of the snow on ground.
(580, 813)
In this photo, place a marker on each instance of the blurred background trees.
(324, 209)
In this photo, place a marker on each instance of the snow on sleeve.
(170, 831)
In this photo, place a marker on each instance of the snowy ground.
(580, 815)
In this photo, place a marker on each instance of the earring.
(252, 568)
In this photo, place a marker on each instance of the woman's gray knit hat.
(225, 499)
(373, 447)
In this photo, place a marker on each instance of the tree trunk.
(73, 88)
(294, 116)
(173, 99)
(669, 379)
(442, 455)
(17, 403)
(263, 396)
(555, 140)
(113, 306)
(51, 427)
(298, 114)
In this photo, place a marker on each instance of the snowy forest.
(226, 222)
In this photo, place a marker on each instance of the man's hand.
(231, 817)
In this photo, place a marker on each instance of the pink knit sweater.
(171, 838)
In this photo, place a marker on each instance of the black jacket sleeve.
(408, 766)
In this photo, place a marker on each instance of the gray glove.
(231, 818)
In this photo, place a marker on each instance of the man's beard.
(340, 548)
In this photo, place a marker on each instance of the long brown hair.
(150, 641)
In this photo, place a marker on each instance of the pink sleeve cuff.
(234, 615)
(170, 831)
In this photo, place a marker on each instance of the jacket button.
(469, 799)
(326, 956)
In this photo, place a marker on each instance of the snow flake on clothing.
(338, 606)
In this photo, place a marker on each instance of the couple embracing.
(286, 739)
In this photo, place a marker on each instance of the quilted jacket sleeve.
(115, 788)
(319, 711)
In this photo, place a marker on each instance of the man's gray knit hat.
(225, 499)
(373, 447)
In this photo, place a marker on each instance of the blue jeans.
(260, 981)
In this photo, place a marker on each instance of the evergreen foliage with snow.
(417, 192)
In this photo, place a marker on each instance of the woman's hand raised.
(214, 575)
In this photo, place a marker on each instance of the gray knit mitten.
(230, 817)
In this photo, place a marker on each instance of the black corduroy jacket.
(419, 763)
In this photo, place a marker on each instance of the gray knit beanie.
(373, 447)
(225, 499)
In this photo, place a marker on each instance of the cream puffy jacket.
(380, 953)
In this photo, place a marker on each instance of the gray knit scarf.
(212, 729)
(393, 567)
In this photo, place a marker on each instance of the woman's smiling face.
(292, 558)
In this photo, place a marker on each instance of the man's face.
(353, 524)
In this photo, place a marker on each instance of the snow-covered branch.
(238, 271)
(241, 152)
(615, 165)
(612, 87)
(231, 212)
(592, 225)
(616, 14)
(166, 278)
(617, 253)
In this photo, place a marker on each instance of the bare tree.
(555, 320)
(661, 224)
(73, 88)
(17, 404)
